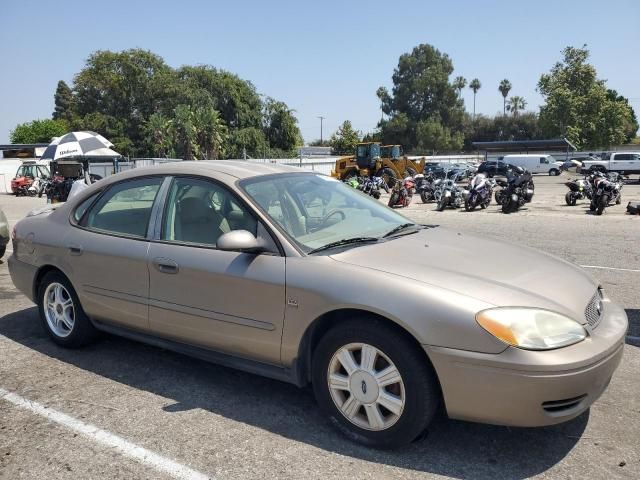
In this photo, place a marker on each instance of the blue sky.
(321, 58)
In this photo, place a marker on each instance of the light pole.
(321, 119)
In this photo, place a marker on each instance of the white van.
(546, 164)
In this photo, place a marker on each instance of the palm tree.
(211, 132)
(459, 83)
(515, 104)
(505, 87)
(159, 134)
(183, 129)
(475, 86)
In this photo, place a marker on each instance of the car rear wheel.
(554, 172)
(61, 313)
(376, 386)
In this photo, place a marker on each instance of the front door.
(232, 302)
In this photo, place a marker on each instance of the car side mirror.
(240, 241)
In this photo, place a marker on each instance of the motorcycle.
(480, 190)
(517, 190)
(425, 186)
(579, 189)
(402, 193)
(372, 186)
(606, 191)
(450, 194)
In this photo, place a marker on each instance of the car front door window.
(199, 212)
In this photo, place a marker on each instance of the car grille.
(593, 311)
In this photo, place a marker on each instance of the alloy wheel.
(59, 309)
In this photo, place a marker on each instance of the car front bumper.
(527, 388)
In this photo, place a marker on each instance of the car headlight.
(531, 328)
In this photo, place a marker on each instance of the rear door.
(232, 302)
(106, 255)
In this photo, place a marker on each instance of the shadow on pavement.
(452, 448)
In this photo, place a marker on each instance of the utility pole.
(321, 119)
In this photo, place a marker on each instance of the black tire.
(3, 250)
(426, 197)
(568, 198)
(498, 197)
(592, 206)
(554, 172)
(603, 201)
(421, 389)
(509, 206)
(619, 200)
(388, 175)
(485, 204)
(469, 207)
(393, 199)
(442, 203)
(83, 331)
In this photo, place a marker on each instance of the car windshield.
(316, 210)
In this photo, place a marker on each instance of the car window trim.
(157, 232)
(103, 192)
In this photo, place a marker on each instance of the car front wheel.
(376, 386)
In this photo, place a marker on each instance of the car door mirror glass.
(240, 241)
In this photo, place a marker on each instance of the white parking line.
(610, 268)
(140, 454)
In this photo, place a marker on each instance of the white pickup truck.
(625, 163)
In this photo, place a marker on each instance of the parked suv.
(491, 168)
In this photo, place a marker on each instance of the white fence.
(321, 165)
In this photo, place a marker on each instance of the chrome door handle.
(165, 265)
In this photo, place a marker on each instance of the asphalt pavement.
(120, 409)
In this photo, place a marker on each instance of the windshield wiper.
(400, 228)
(344, 241)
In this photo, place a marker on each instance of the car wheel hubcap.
(366, 386)
(59, 310)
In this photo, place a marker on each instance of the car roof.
(235, 168)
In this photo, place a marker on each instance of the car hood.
(495, 272)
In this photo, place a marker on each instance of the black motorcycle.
(579, 189)
(425, 187)
(372, 186)
(517, 190)
(480, 190)
(605, 192)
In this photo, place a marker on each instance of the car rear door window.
(125, 208)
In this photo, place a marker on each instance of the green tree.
(475, 85)
(434, 137)
(64, 103)
(504, 88)
(38, 131)
(247, 141)
(280, 126)
(159, 135)
(211, 132)
(183, 130)
(421, 92)
(459, 83)
(484, 129)
(344, 140)
(515, 104)
(578, 106)
(631, 126)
